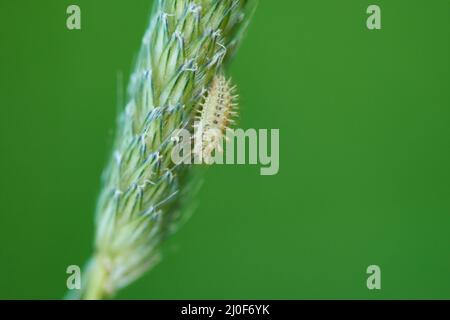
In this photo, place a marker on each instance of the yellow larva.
(215, 115)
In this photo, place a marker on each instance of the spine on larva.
(216, 113)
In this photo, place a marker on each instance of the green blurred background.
(364, 165)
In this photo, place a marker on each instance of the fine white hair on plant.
(186, 46)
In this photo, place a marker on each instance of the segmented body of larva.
(216, 113)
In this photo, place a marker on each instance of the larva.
(214, 116)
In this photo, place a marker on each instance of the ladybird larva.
(214, 116)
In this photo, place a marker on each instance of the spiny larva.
(214, 116)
